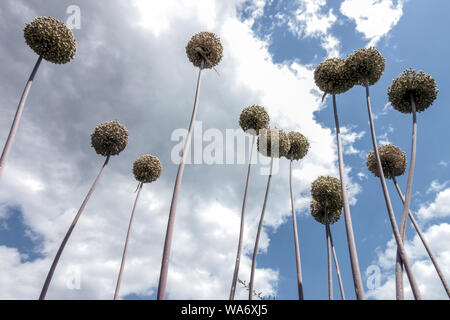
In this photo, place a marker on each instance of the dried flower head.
(318, 213)
(332, 76)
(299, 145)
(366, 63)
(205, 44)
(393, 161)
(327, 191)
(418, 84)
(147, 168)
(51, 39)
(109, 138)
(254, 118)
(273, 142)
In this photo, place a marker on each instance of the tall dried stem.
(18, 116)
(258, 234)
(424, 240)
(241, 232)
(69, 232)
(173, 205)
(357, 280)
(297, 246)
(124, 255)
(387, 199)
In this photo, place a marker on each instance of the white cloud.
(309, 20)
(373, 18)
(439, 208)
(435, 186)
(430, 286)
(349, 138)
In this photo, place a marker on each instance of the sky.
(131, 66)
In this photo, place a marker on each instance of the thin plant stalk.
(424, 241)
(336, 263)
(173, 205)
(356, 273)
(241, 232)
(395, 230)
(258, 234)
(398, 263)
(69, 232)
(18, 116)
(297, 247)
(122, 264)
(330, 271)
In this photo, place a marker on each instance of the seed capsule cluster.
(366, 63)
(420, 85)
(273, 142)
(318, 213)
(393, 161)
(299, 145)
(326, 191)
(332, 76)
(205, 44)
(147, 168)
(254, 118)
(109, 138)
(51, 39)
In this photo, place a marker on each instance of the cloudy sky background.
(131, 66)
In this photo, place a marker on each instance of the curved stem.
(173, 205)
(15, 124)
(330, 271)
(357, 280)
(424, 241)
(69, 232)
(258, 234)
(297, 247)
(122, 264)
(387, 199)
(338, 270)
(241, 232)
(398, 262)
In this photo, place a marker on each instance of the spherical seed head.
(273, 143)
(327, 191)
(109, 138)
(318, 213)
(51, 39)
(422, 87)
(207, 43)
(332, 76)
(393, 161)
(254, 118)
(147, 168)
(299, 145)
(366, 63)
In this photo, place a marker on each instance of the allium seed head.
(299, 145)
(318, 213)
(254, 118)
(109, 138)
(393, 161)
(366, 63)
(422, 87)
(147, 168)
(209, 45)
(51, 39)
(273, 143)
(327, 191)
(332, 76)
